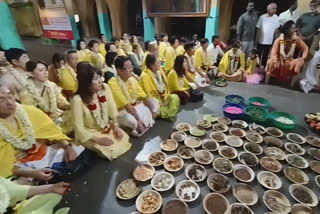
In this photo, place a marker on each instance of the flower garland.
(18, 143)
(205, 58)
(181, 82)
(157, 77)
(48, 107)
(292, 48)
(191, 63)
(102, 119)
(234, 61)
(4, 198)
(18, 77)
(124, 89)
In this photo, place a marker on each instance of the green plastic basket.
(261, 100)
(257, 119)
(280, 125)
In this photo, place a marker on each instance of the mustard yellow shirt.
(174, 82)
(162, 50)
(170, 57)
(102, 48)
(125, 46)
(202, 58)
(132, 87)
(95, 58)
(180, 50)
(121, 52)
(144, 60)
(225, 61)
(82, 54)
(69, 80)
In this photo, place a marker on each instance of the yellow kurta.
(202, 58)
(44, 128)
(149, 85)
(133, 87)
(180, 50)
(69, 80)
(174, 84)
(144, 60)
(121, 52)
(125, 46)
(170, 57)
(86, 127)
(162, 50)
(225, 62)
(102, 49)
(82, 54)
(95, 58)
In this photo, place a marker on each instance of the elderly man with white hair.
(267, 25)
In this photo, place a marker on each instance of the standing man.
(288, 15)
(267, 25)
(246, 28)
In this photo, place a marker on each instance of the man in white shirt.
(267, 25)
(214, 50)
(289, 14)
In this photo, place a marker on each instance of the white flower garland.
(4, 199)
(205, 58)
(191, 63)
(125, 91)
(16, 75)
(292, 48)
(28, 132)
(48, 107)
(157, 77)
(234, 61)
(102, 119)
(181, 82)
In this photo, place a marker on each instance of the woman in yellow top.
(154, 82)
(180, 49)
(25, 132)
(170, 54)
(26, 199)
(163, 46)
(102, 45)
(82, 49)
(94, 114)
(46, 95)
(233, 64)
(125, 44)
(94, 56)
(136, 111)
(69, 82)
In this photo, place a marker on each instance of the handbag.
(196, 95)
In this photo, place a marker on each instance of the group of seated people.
(92, 99)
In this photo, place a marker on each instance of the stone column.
(212, 22)
(148, 24)
(70, 12)
(119, 16)
(104, 19)
(9, 37)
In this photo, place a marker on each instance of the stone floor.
(94, 192)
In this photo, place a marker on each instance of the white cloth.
(214, 52)
(53, 155)
(311, 73)
(267, 25)
(201, 81)
(286, 16)
(125, 119)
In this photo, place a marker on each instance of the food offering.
(317, 179)
(193, 142)
(187, 191)
(296, 176)
(239, 124)
(173, 164)
(313, 121)
(143, 172)
(275, 132)
(218, 136)
(253, 148)
(313, 141)
(210, 117)
(186, 152)
(219, 127)
(245, 194)
(301, 209)
(303, 195)
(254, 137)
(275, 153)
(257, 128)
(210, 145)
(237, 132)
(162, 181)
(223, 165)
(203, 157)
(296, 138)
(269, 180)
(297, 161)
(228, 152)
(273, 141)
(215, 203)
(238, 208)
(234, 99)
(204, 124)
(157, 158)
(315, 166)
(175, 206)
(178, 136)
(271, 164)
(128, 189)
(218, 183)
(224, 120)
(248, 159)
(169, 145)
(196, 173)
(276, 202)
(183, 127)
(149, 202)
(314, 153)
(197, 132)
(234, 141)
(243, 173)
(294, 148)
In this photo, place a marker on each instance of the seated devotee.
(16, 75)
(178, 83)
(111, 70)
(4, 64)
(154, 82)
(95, 113)
(254, 73)
(180, 49)
(46, 95)
(30, 141)
(194, 74)
(203, 60)
(55, 68)
(94, 56)
(120, 51)
(23, 199)
(233, 64)
(136, 61)
(111, 47)
(215, 51)
(136, 111)
(69, 82)
(196, 41)
(170, 54)
(157, 38)
(163, 46)
(103, 42)
(134, 40)
(311, 71)
(153, 48)
(125, 44)
(82, 49)
(282, 65)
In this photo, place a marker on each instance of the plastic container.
(234, 116)
(263, 120)
(232, 96)
(280, 125)
(266, 103)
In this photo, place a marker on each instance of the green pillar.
(75, 30)
(105, 25)
(9, 37)
(212, 23)
(148, 25)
